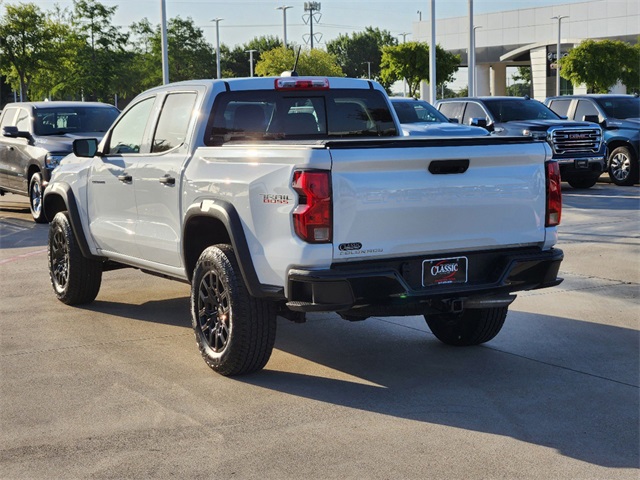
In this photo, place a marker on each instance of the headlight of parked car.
(52, 160)
(535, 134)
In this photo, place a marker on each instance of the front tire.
(471, 327)
(235, 332)
(35, 198)
(623, 167)
(582, 182)
(75, 279)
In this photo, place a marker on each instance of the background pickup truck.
(35, 136)
(577, 146)
(283, 196)
(619, 116)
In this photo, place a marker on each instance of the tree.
(311, 62)
(361, 51)
(190, 55)
(600, 64)
(411, 61)
(25, 44)
(102, 57)
(236, 62)
(523, 81)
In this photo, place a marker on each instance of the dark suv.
(619, 116)
(577, 146)
(35, 136)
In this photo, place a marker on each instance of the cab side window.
(585, 107)
(473, 110)
(174, 121)
(561, 107)
(452, 110)
(127, 135)
(8, 117)
(23, 122)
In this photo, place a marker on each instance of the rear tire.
(235, 332)
(75, 279)
(35, 198)
(623, 167)
(471, 327)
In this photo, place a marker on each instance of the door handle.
(125, 178)
(167, 180)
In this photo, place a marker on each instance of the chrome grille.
(575, 140)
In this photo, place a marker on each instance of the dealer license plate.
(444, 270)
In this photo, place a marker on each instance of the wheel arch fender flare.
(59, 197)
(225, 214)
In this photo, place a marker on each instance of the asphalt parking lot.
(117, 389)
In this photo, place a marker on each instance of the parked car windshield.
(80, 119)
(512, 110)
(620, 107)
(417, 111)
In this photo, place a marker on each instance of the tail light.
(554, 195)
(312, 217)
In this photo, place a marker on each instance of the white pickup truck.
(282, 196)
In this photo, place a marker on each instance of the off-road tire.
(75, 279)
(471, 327)
(235, 332)
(35, 198)
(623, 167)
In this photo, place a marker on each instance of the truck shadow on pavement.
(536, 396)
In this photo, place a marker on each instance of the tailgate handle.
(446, 167)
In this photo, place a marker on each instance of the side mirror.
(454, 120)
(478, 122)
(13, 132)
(563, 117)
(85, 147)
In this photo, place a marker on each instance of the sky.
(244, 20)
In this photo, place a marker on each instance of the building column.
(498, 79)
(539, 79)
(482, 80)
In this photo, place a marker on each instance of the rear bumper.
(394, 287)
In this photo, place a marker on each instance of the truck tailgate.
(417, 197)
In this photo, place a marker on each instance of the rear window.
(311, 115)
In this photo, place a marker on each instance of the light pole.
(432, 55)
(404, 80)
(250, 52)
(475, 69)
(368, 69)
(558, 55)
(284, 22)
(472, 48)
(217, 20)
(164, 47)
(419, 15)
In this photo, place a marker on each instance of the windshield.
(620, 107)
(513, 110)
(80, 119)
(277, 115)
(417, 111)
